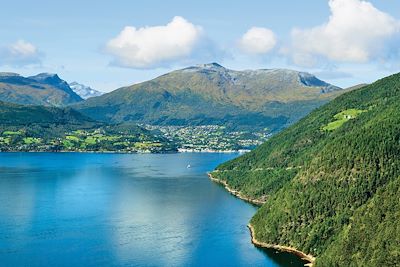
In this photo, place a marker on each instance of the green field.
(12, 133)
(39, 128)
(341, 118)
(125, 139)
(32, 140)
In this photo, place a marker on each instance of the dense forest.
(331, 181)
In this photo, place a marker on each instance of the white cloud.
(19, 54)
(355, 32)
(155, 46)
(23, 49)
(257, 41)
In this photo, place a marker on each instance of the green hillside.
(39, 128)
(42, 89)
(211, 94)
(15, 114)
(331, 180)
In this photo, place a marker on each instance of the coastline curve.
(307, 257)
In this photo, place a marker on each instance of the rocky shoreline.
(235, 192)
(302, 255)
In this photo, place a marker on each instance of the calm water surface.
(70, 209)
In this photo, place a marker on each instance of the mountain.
(42, 89)
(330, 182)
(212, 94)
(84, 91)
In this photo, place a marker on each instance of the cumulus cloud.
(355, 32)
(257, 41)
(19, 54)
(155, 46)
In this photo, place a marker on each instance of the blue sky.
(342, 41)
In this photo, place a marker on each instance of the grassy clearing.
(11, 133)
(341, 118)
(5, 140)
(32, 140)
(72, 138)
(90, 140)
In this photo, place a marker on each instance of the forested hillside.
(331, 181)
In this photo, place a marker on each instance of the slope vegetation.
(40, 128)
(212, 94)
(331, 192)
(15, 114)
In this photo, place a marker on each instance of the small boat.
(188, 166)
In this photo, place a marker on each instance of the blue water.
(71, 209)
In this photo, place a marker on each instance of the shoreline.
(302, 255)
(254, 241)
(89, 152)
(122, 152)
(235, 192)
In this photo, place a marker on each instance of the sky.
(110, 44)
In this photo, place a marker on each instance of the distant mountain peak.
(54, 80)
(40, 89)
(44, 76)
(84, 91)
(212, 65)
(271, 77)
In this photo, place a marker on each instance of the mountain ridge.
(42, 89)
(212, 94)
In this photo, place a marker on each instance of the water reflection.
(122, 210)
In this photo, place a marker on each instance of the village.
(211, 138)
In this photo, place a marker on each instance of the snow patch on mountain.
(84, 91)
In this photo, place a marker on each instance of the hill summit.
(212, 94)
(42, 89)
